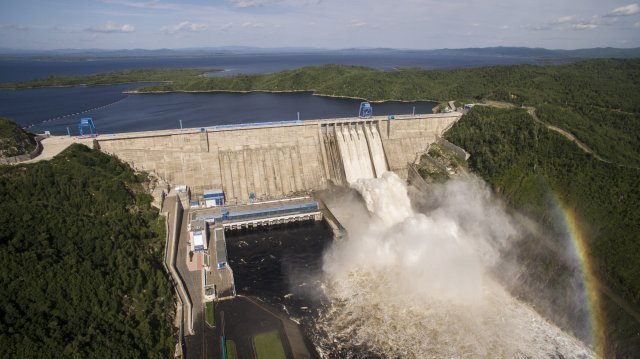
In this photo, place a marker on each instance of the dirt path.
(568, 135)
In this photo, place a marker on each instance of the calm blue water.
(55, 109)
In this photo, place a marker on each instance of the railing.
(254, 124)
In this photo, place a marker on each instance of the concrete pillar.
(269, 173)
(277, 175)
(323, 150)
(298, 169)
(204, 142)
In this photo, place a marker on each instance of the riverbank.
(312, 92)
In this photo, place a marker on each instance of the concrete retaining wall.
(271, 161)
(405, 137)
(17, 159)
(414, 178)
(171, 251)
(453, 148)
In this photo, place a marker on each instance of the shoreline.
(81, 85)
(312, 92)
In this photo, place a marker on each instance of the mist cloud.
(410, 283)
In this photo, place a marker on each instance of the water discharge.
(361, 151)
(377, 152)
(419, 285)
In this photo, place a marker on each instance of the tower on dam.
(279, 159)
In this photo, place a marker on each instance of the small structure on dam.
(258, 214)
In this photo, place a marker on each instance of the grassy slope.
(14, 141)
(81, 253)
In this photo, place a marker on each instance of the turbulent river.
(403, 283)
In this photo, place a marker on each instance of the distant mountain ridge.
(600, 52)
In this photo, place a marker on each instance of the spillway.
(360, 149)
(375, 147)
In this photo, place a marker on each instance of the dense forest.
(14, 141)
(81, 251)
(529, 166)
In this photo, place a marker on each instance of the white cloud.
(184, 26)
(569, 23)
(637, 24)
(627, 10)
(357, 23)
(154, 4)
(254, 3)
(564, 19)
(253, 24)
(15, 27)
(112, 27)
(583, 26)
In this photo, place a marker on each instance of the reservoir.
(113, 111)
(55, 109)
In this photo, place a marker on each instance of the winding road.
(568, 135)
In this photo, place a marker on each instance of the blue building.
(213, 198)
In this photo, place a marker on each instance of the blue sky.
(426, 24)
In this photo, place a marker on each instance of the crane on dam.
(88, 123)
(366, 111)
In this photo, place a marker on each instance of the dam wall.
(274, 160)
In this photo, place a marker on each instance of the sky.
(331, 24)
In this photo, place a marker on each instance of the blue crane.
(87, 122)
(366, 111)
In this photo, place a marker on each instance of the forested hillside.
(81, 253)
(531, 166)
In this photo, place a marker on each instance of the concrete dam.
(279, 159)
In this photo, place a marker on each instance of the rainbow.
(592, 293)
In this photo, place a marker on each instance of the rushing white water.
(415, 285)
(345, 155)
(377, 151)
(361, 152)
(351, 157)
